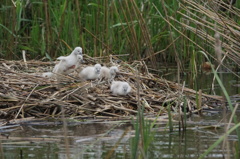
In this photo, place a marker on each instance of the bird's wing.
(62, 58)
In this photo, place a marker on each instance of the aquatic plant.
(234, 128)
(143, 136)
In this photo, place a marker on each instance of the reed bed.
(158, 32)
(206, 18)
(24, 93)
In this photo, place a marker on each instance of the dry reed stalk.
(146, 34)
(48, 25)
(130, 23)
(30, 139)
(105, 45)
(200, 101)
(227, 27)
(179, 65)
(203, 35)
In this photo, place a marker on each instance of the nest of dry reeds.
(23, 93)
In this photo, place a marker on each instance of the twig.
(25, 101)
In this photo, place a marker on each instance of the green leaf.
(8, 30)
(48, 57)
(95, 5)
(27, 48)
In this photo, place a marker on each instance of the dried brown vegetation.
(25, 94)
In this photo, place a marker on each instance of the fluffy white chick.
(104, 73)
(108, 73)
(68, 63)
(120, 88)
(113, 72)
(70, 70)
(90, 72)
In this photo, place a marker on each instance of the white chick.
(107, 73)
(68, 63)
(104, 73)
(113, 72)
(120, 88)
(80, 59)
(91, 72)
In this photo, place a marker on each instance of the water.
(96, 140)
(46, 140)
(204, 81)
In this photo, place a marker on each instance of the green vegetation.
(143, 137)
(166, 31)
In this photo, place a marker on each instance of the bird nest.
(24, 94)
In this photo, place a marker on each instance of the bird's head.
(80, 58)
(125, 87)
(77, 51)
(113, 70)
(97, 68)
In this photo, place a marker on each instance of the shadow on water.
(95, 140)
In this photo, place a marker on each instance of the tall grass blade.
(219, 141)
(8, 30)
(135, 140)
(19, 14)
(226, 96)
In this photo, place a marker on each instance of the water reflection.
(188, 145)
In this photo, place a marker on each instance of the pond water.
(96, 140)
(204, 81)
(91, 140)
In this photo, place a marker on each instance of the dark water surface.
(96, 140)
(204, 82)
